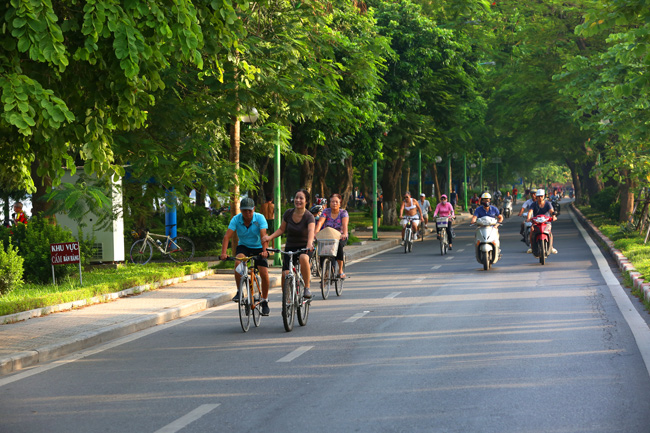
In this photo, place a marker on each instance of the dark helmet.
(316, 209)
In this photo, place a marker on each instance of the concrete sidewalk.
(45, 338)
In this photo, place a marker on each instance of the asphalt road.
(417, 342)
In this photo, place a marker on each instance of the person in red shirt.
(514, 195)
(19, 215)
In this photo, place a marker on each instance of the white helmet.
(486, 195)
(540, 192)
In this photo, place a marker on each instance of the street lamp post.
(278, 205)
(374, 200)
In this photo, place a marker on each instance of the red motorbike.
(541, 244)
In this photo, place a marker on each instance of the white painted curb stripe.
(296, 353)
(636, 323)
(187, 419)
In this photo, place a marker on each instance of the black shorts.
(261, 261)
(285, 258)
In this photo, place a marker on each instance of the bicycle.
(421, 230)
(408, 235)
(330, 274)
(179, 249)
(315, 262)
(292, 292)
(441, 227)
(249, 291)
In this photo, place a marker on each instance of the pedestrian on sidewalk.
(250, 227)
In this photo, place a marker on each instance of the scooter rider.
(541, 207)
(445, 209)
(524, 208)
(486, 209)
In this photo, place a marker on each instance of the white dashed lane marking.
(356, 317)
(296, 353)
(392, 295)
(183, 421)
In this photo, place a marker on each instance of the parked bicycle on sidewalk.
(179, 249)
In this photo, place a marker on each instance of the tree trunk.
(626, 192)
(234, 159)
(577, 186)
(321, 168)
(408, 180)
(347, 184)
(389, 185)
(40, 206)
(436, 182)
(261, 194)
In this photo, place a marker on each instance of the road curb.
(38, 312)
(623, 263)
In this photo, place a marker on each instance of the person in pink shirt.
(445, 209)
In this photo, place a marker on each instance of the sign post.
(65, 254)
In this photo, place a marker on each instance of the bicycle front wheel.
(181, 249)
(338, 283)
(141, 252)
(303, 305)
(244, 305)
(288, 304)
(407, 239)
(257, 295)
(326, 278)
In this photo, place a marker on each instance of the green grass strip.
(98, 281)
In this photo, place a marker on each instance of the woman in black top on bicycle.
(298, 223)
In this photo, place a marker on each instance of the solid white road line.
(356, 317)
(296, 353)
(436, 267)
(183, 421)
(353, 262)
(392, 295)
(636, 323)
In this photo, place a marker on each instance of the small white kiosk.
(109, 240)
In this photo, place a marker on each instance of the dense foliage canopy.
(154, 91)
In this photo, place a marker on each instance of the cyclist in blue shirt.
(250, 227)
(486, 209)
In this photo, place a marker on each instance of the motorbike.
(473, 208)
(528, 226)
(507, 208)
(487, 244)
(556, 205)
(541, 244)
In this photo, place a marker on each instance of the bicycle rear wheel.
(244, 305)
(181, 249)
(141, 254)
(257, 294)
(303, 304)
(326, 278)
(288, 304)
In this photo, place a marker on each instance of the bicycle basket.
(442, 222)
(327, 247)
(241, 269)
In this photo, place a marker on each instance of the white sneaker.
(415, 236)
(401, 243)
(554, 251)
(530, 251)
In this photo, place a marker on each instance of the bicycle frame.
(149, 237)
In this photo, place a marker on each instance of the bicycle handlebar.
(289, 253)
